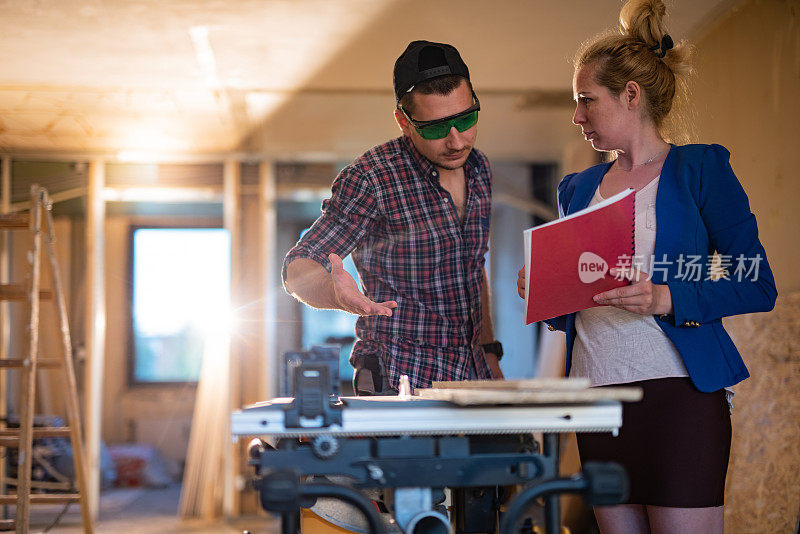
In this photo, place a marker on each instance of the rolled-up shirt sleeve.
(347, 216)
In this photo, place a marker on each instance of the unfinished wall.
(157, 414)
(764, 473)
(748, 70)
(50, 393)
(160, 415)
(748, 65)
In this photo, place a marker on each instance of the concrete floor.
(152, 511)
(142, 511)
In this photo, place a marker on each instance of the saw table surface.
(385, 416)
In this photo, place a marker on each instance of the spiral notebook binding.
(633, 227)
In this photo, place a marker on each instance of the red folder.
(567, 260)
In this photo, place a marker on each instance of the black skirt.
(674, 444)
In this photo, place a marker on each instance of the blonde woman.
(663, 332)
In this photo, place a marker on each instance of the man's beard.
(452, 165)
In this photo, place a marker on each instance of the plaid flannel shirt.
(389, 210)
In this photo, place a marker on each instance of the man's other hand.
(494, 366)
(349, 298)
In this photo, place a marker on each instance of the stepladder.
(24, 366)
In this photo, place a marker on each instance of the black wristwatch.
(495, 347)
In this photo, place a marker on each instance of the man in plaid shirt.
(414, 212)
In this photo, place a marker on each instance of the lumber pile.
(204, 481)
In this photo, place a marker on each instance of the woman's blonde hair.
(640, 52)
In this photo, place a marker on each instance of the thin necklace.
(648, 162)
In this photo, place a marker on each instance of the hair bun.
(643, 52)
(643, 20)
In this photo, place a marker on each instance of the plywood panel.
(764, 474)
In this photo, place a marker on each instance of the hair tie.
(665, 44)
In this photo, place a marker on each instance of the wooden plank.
(23, 362)
(263, 362)
(7, 524)
(202, 479)
(71, 403)
(95, 330)
(14, 220)
(61, 196)
(20, 292)
(43, 484)
(268, 200)
(232, 211)
(28, 396)
(38, 432)
(42, 498)
(211, 467)
(532, 384)
(473, 397)
(5, 308)
(10, 438)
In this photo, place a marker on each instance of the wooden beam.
(95, 329)
(61, 196)
(267, 196)
(22, 362)
(231, 213)
(38, 432)
(212, 195)
(20, 293)
(45, 485)
(28, 386)
(14, 220)
(42, 498)
(70, 381)
(5, 319)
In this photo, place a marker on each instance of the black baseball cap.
(423, 60)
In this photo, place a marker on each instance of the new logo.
(591, 267)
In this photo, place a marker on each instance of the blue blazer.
(700, 208)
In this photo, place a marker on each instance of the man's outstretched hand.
(348, 296)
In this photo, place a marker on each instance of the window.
(181, 291)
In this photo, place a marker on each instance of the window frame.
(131, 380)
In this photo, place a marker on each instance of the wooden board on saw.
(472, 397)
(530, 384)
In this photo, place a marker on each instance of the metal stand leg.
(289, 523)
(601, 484)
(548, 489)
(552, 505)
(283, 492)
